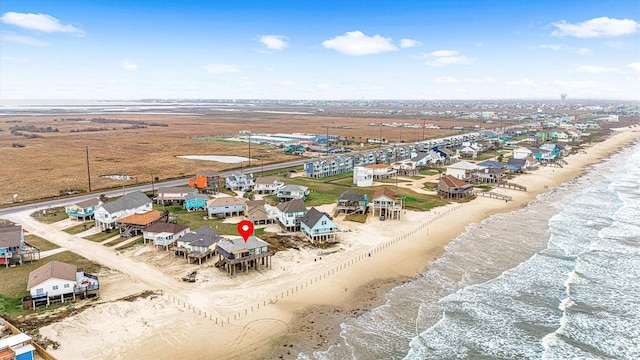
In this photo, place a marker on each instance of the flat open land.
(46, 155)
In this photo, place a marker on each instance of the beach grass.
(13, 280)
(39, 242)
(117, 241)
(138, 241)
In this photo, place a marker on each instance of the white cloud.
(481, 80)
(635, 66)
(596, 28)
(408, 43)
(221, 68)
(583, 51)
(356, 43)
(39, 22)
(554, 47)
(20, 39)
(274, 42)
(446, 80)
(594, 69)
(441, 58)
(129, 65)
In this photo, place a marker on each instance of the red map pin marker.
(245, 228)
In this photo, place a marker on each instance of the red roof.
(385, 192)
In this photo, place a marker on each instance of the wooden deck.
(491, 194)
(510, 185)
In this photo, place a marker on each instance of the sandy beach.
(296, 306)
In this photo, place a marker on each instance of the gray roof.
(88, 203)
(312, 217)
(267, 180)
(517, 162)
(491, 164)
(420, 156)
(293, 188)
(10, 235)
(295, 205)
(351, 196)
(234, 245)
(128, 201)
(205, 232)
(193, 196)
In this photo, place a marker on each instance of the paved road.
(111, 193)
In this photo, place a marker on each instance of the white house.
(108, 213)
(521, 153)
(362, 176)
(226, 206)
(173, 194)
(289, 214)
(267, 185)
(17, 347)
(291, 192)
(164, 234)
(57, 281)
(462, 169)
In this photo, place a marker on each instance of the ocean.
(559, 279)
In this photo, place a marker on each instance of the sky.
(317, 50)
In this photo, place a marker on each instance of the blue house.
(319, 227)
(82, 210)
(17, 347)
(196, 202)
(12, 244)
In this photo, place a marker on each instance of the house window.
(66, 286)
(324, 222)
(55, 287)
(40, 291)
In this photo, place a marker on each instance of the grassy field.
(13, 280)
(39, 242)
(102, 236)
(59, 156)
(76, 229)
(117, 241)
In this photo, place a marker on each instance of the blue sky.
(470, 49)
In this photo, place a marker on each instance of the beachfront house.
(174, 194)
(164, 234)
(134, 224)
(207, 182)
(492, 175)
(108, 213)
(451, 187)
(352, 203)
(318, 227)
(196, 202)
(521, 153)
(516, 165)
(197, 245)
(237, 254)
(289, 214)
(387, 204)
(241, 182)
(226, 206)
(13, 249)
(56, 282)
(17, 347)
(291, 192)
(82, 210)
(267, 185)
(462, 170)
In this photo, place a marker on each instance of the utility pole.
(423, 126)
(153, 189)
(327, 141)
(380, 136)
(88, 171)
(249, 149)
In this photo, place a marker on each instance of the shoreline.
(319, 294)
(311, 322)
